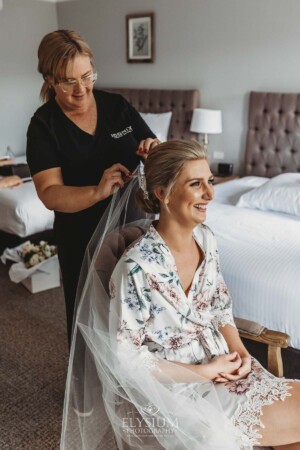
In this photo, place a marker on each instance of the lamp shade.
(206, 121)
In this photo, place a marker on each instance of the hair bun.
(149, 205)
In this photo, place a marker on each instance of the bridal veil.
(118, 397)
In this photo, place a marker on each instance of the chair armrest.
(275, 340)
(256, 332)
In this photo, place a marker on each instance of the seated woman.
(172, 350)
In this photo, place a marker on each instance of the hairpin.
(142, 180)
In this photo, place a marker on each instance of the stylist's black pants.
(70, 257)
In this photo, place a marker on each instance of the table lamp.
(206, 121)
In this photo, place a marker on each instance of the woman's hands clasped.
(240, 373)
(231, 367)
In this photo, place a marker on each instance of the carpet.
(33, 366)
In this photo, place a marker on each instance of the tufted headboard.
(273, 138)
(180, 102)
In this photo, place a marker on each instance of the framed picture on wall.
(140, 38)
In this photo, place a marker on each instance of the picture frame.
(140, 38)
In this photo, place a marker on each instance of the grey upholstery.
(273, 138)
(112, 249)
(180, 102)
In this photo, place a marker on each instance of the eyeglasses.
(86, 81)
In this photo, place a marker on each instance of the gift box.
(46, 277)
(36, 278)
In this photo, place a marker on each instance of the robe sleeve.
(221, 304)
(130, 292)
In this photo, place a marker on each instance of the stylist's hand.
(146, 145)
(241, 372)
(112, 179)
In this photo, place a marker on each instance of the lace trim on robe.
(148, 359)
(223, 318)
(140, 355)
(247, 416)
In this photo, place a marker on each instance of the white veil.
(127, 398)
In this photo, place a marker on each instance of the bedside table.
(218, 179)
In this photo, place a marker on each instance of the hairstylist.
(81, 144)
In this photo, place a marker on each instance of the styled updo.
(55, 52)
(162, 168)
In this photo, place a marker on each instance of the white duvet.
(22, 212)
(260, 258)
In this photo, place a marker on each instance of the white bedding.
(21, 211)
(260, 258)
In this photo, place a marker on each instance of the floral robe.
(155, 313)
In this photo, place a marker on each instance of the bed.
(260, 250)
(23, 216)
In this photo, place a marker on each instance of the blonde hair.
(55, 51)
(162, 168)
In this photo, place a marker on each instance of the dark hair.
(162, 168)
(55, 51)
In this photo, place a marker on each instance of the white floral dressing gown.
(157, 314)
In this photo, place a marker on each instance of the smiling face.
(191, 194)
(79, 97)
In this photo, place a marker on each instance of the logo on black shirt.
(122, 133)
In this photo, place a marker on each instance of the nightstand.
(218, 179)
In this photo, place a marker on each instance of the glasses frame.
(73, 82)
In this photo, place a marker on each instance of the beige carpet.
(33, 365)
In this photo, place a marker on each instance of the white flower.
(34, 260)
(34, 254)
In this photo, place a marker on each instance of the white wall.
(22, 25)
(225, 48)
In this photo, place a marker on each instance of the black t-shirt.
(53, 140)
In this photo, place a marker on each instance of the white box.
(47, 277)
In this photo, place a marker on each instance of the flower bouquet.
(33, 254)
(32, 259)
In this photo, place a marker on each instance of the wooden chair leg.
(275, 364)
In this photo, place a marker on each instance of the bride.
(165, 367)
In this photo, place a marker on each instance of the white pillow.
(281, 194)
(158, 123)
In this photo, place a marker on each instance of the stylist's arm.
(56, 196)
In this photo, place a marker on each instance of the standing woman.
(80, 145)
